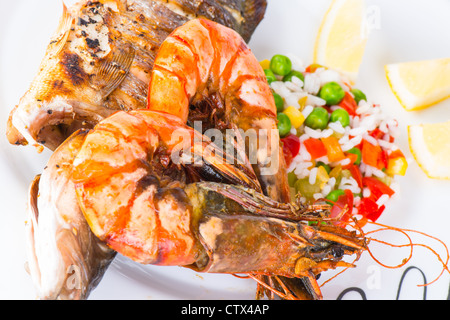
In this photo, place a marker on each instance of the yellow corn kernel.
(322, 176)
(296, 116)
(265, 64)
(397, 166)
(302, 102)
(336, 171)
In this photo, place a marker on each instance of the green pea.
(284, 124)
(280, 64)
(334, 195)
(270, 76)
(324, 165)
(279, 102)
(332, 93)
(359, 95)
(358, 153)
(294, 73)
(292, 179)
(306, 189)
(317, 119)
(315, 223)
(342, 116)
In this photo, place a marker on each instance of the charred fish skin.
(242, 16)
(100, 59)
(66, 260)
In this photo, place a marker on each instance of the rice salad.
(339, 146)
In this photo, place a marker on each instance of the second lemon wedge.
(420, 84)
(341, 41)
(430, 146)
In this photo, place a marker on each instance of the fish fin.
(13, 135)
(114, 68)
(33, 195)
(62, 32)
(253, 12)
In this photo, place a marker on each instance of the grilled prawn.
(100, 59)
(133, 183)
(205, 73)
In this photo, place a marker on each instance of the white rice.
(316, 134)
(318, 196)
(337, 127)
(297, 63)
(382, 200)
(350, 184)
(312, 175)
(368, 117)
(370, 139)
(307, 111)
(387, 145)
(326, 190)
(312, 84)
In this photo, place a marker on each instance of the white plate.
(408, 30)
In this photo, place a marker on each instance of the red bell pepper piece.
(348, 103)
(352, 156)
(369, 209)
(313, 67)
(377, 188)
(334, 150)
(383, 160)
(344, 201)
(356, 174)
(396, 154)
(291, 147)
(315, 147)
(371, 154)
(287, 157)
(377, 133)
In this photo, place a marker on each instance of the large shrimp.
(134, 185)
(205, 72)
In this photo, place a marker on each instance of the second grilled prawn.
(132, 186)
(205, 71)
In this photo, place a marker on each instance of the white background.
(409, 30)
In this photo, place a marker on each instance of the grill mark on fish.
(72, 69)
(93, 44)
(89, 33)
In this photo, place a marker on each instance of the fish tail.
(253, 13)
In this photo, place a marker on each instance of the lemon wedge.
(430, 146)
(419, 84)
(341, 41)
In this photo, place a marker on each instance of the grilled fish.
(65, 259)
(100, 59)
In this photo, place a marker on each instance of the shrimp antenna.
(410, 244)
(358, 225)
